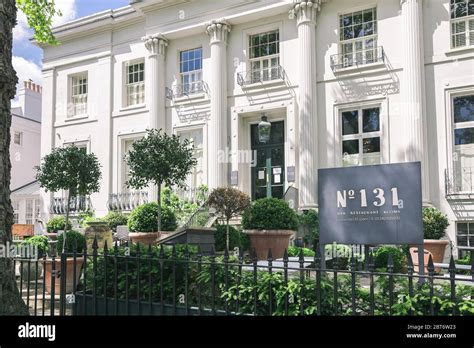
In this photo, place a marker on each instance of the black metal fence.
(178, 280)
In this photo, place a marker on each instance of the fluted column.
(413, 88)
(155, 88)
(305, 12)
(218, 31)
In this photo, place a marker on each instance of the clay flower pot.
(144, 238)
(437, 248)
(48, 268)
(263, 240)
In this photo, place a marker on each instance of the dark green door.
(268, 175)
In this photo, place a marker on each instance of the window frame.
(196, 86)
(76, 108)
(469, 234)
(122, 188)
(468, 29)
(272, 72)
(20, 134)
(140, 94)
(29, 211)
(16, 211)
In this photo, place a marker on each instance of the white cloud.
(25, 70)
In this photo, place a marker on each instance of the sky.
(27, 58)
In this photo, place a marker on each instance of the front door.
(268, 174)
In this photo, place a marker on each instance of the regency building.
(342, 82)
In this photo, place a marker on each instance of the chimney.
(30, 100)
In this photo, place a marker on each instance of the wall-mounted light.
(264, 129)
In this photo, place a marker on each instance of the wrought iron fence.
(459, 181)
(187, 89)
(357, 58)
(178, 280)
(261, 75)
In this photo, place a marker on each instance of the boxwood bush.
(145, 218)
(41, 242)
(237, 239)
(270, 214)
(434, 223)
(399, 257)
(114, 219)
(56, 224)
(74, 239)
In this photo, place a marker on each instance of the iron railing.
(261, 75)
(459, 181)
(358, 58)
(187, 89)
(179, 280)
(127, 201)
(76, 205)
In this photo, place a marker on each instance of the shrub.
(295, 252)
(270, 214)
(340, 256)
(74, 239)
(89, 219)
(309, 222)
(114, 219)
(56, 224)
(399, 258)
(237, 239)
(145, 219)
(41, 242)
(434, 223)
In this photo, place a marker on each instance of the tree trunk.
(68, 204)
(227, 235)
(11, 302)
(159, 207)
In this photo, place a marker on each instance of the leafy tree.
(228, 203)
(159, 159)
(71, 169)
(39, 14)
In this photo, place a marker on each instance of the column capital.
(402, 2)
(218, 30)
(156, 44)
(305, 11)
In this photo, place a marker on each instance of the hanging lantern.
(264, 128)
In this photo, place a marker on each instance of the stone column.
(305, 12)
(218, 31)
(413, 104)
(155, 88)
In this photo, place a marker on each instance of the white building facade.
(341, 82)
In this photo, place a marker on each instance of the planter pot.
(102, 232)
(275, 240)
(48, 268)
(144, 238)
(51, 236)
(437, 249)
(32, 266)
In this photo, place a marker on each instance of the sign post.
(370, 205)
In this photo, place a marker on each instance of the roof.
(33, 188)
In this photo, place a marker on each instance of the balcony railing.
(359, 58)
(76, 205)
(127, 201)
(187, 89)
(459, 181)
(260, 75)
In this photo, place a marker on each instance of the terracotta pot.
(102, 232)
(144, 238)
(275, 240)
(436, 248)
(48, 267)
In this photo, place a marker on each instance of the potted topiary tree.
(434, 228)
(70, 169)
(38, 245)
(56, 224)
(143, 225)
(68, 243)
(270, 223)
(159, 159)
(228, 202)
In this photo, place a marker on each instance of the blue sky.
(27, 57)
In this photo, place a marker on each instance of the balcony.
(76, 205)
(126, 201)
(187, 90)
(357, 59)
(459, 182)
(250, 77)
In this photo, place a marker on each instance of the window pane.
(464, 136)
(462, 240)
(461, 227)
(371, 145)
(471, 8)
(463, 108)
(368, 28)
(371, 122)
(368, 16)
(350, 122)
(350, 147)
(347, 20)
(358, 32)
(460, 10)
(357, 18)
(348, 33)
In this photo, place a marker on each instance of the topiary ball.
(270, 214)
(145, 218)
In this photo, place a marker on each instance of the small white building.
(342, 82)
(25, 152)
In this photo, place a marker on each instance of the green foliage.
(270, 214)
(182, 208)
(40, 14)
(90, 219)
(309, 222)
(340, 256)
(434, 223)
(74, 239)
(399, 258)
(70, 168)
(228, 202)
(295, 252)
(84, 216)
(145, 217)
(114, 219)
(237, 239)
(56, 224)
(41, 242)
